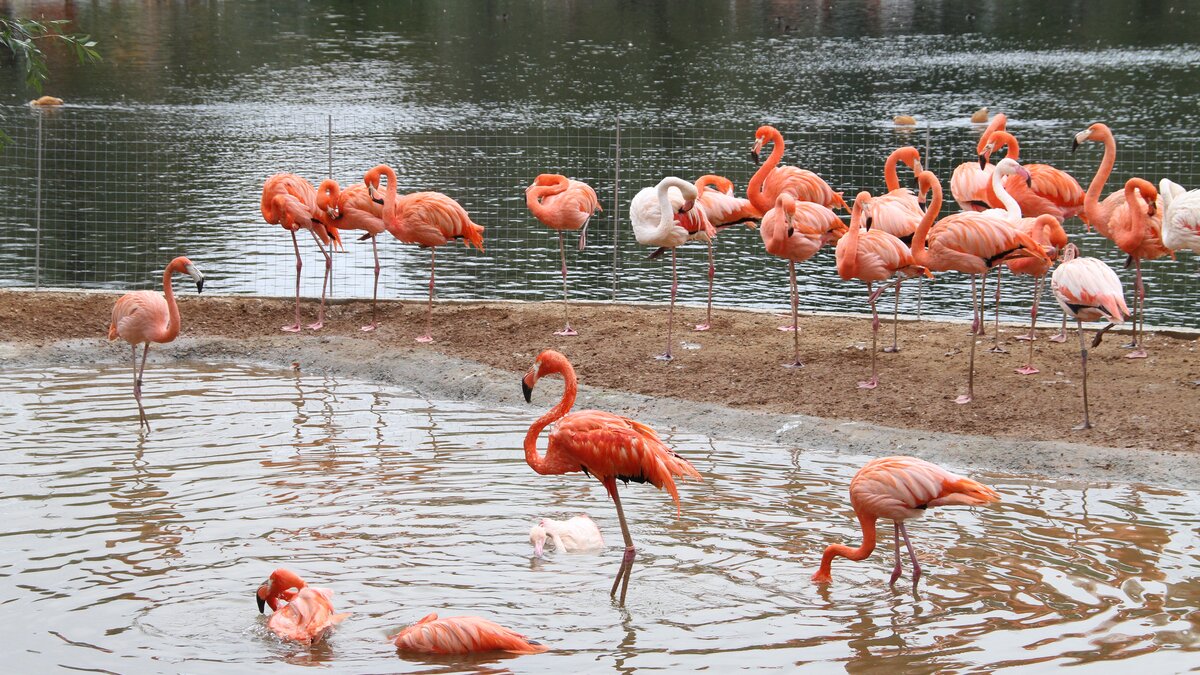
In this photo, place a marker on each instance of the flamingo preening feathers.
(1181, 216)
(291, 202)
(299, 612)
(563, 204)
(353, 209)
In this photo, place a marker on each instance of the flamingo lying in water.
(462, 635)
(562, 204)
(291, 202)
(298, 611)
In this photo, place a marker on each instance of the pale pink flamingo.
(900, 488)
(663, 216)
(603, 445)
(796, 230)
(898, 212)
(562, 204)
(771, 179)
(353, 209)
(1181, 216)
(569, 536)
(428, 219)
(462, 635)
(870, 256)
(291, 202)
(722, 209)
(1088, 290)
(299, 612)
(1048, 191)
(969, 182)
(142, 317)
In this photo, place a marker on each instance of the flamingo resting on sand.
(569, 536)
(900, 488)
(663, 216)
(1088, 290)
(606, 446)
(298, 611)
(291, 202)
(428, 219)
(898, 212)
(722, 209)
(462, 635)
(353, 209)
(869, 256)
(1181, 216)
(142, 317)
(771, 179)
(563, 204)
(795, 231)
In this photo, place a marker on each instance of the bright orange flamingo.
(1088, 290)
(353, 209)
(870, 256)
(971, 243)
(600, 444)
(428, 219)
(771, 179)
(969, 182)
(1049, 190)
(462, 635)
(898, 212)
(291, 202)
(562, 204)
(900, 488)
(1047, 231)
(142, 317)
(795, 231)
(723, 209)
(298, 611)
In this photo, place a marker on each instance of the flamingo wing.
(1181, 222)
(904, 487)
(139, 316)
(462, 635)
(1088, 289)
(432, 219)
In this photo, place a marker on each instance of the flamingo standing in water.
(462, 635)
(142, 317)
(722, 209)
(428, 219)
(897, 212)
(1088, 290)
(1049, 190)
(353, 209)
(900, 488)
(601, 444)
(795, 231)
(663, 216)
(298, 611)
(291, 202)
(969, 182)
(870, 256)
(771, 179)
(562, 204)
(1181, 216)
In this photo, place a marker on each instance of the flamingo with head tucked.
(1181, 216)
(462, 635)
(1048, 191)
(298, 611)
(353, 209)
(969, 182)
(563, 204)
(1047, 231)
(715, 197)
(771, 179)
(291, 202)
(898, 212)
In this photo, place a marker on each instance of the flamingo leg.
(975, 323)
(627, 560)
(295, 328)
(895, 323)
(796, 362)
(896, 570)
(1062, 331)
(980, 328)
(1038, 284)
(1139, 320)
(920, 292)
(428, 336)
(666, 356)
(137, 385)
(912, 555)
(1087, 423)
(712, 273)
(997, 348)
(872, 296)
(324, 283)
(1028, 368)
(562, 252)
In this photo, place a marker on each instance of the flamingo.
(428, 219)
(1113, 219)
(353, 209)
(291, 202)
(968, 183)
(897, 212)
(663, 216)
(562, 204)
(722, 209)
(1049, 190)
(1181, 216)
(870, 256)
(1047, 231)
(462, 635)
(298, 611)
(1088, 290)
(796, 230)
(968, 242)
(142, 317)
(575, 534)
(900, 488)
(772, 179)
(601, 444)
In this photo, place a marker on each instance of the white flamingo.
(569, 536)
(1181, 216)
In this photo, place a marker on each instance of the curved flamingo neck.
(920, 255)
(1010, 204)
(173, 323)
(1003, 139)
(847, 258)
(389, 196)
(889, 167)
(538, 463)
(1091, 200)
(754, 189)
(998, 123)
(867, 523)
(666, 214)
(1137, 204)
(539, 191)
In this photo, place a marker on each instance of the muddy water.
(130, 554)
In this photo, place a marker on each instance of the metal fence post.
(616, 196)
(329, 143)
(37, 213)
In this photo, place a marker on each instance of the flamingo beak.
(1024, 173)
(537, 548)
(982, 161)
(1152, 208)
(687, 206)
(1075, 142)
(262, 604)
(917, 168)
(868, 223)
(526, 390)
(195, 273)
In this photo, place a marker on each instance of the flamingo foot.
(702, 327)
(871, 384)
(998, 349)
(425, 339)
(1060, 337)
(891, 349)
(795, 364)
(1029, 337)
(316, 326)
(664, 357)
(895, 575)
(1027, 370)
(566, 332)
(368, 328)
(788, 329)
(295, 328)
(1139, 353)
(964, 399)
(1082, 426)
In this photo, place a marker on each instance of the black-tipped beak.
(377, 201)
(1029, 182)
(868, 223)
(262, 605)
(200, 285)
(791, 231)
(754, 157)
(1074, 144)
(982, 162)
(527, 391)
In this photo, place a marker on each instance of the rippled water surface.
(128, 554)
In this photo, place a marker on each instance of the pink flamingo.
(1088, 290)
(771, 179)
(795, 231)
(462, 635)
(600, 444)
(870, 256)
(428, 219)
(898, 212)
(1047, 231)
(969, 182)
(298, 611)
(291, 202)
(1049, 190)
(722, 209)
(562, 204)
(353, 209)
(142, 317)
(900, 488)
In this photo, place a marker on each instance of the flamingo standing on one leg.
(771, 179)
(900, 488)
(298, 611)
(1047, 231)
(462, 635)
(722, 209)
(1088, 290)
(291, 202)
(663, 216)
(353, 209)
(142, 317)
(606, 446)
(1048, 191)
(428, 219)
(969, 182)
(897, 212)
(1181, 216)
(563, 204)
(795, 231)
(870, 256)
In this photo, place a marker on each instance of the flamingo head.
(761, 136)
(371, 179)
(688, 205)
(1070, 252)
(182, 264)
(537, 537)
(910, 156)
(327, 198)
(860, 214)
(1011, 167)
(1095, 132)
(281, 586)
(547, 362)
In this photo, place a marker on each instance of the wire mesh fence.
(102, 198)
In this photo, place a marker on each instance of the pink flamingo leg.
(1062, 331)
(796, 362)
(874, 381)
(981, 327)
(896, 570)
(137, 385)
(1038, 284)
(1139, 320)
(428, 336)
(712, 273)
(630, 552)
(324, 284)
(1028, 368)
(975, 322)
(997, 348)
(374, 291)
(295, 328)
(562, 251)
(666, 356)
(912, 555)
(895, 324)
(1087, 423)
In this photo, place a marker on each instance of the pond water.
(140, 554)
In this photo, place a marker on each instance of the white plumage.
(1181, 216)
(653, 211)
(1088, 290)
(569, 536)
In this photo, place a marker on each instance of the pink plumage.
(299, 612)
(462, 635)
(772, 180)
(1088, 290)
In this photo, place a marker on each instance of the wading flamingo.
(1088, 290)
(898, 212)
(900, 488)
(870, 256)
(298, 611)
(142, 317)
(722, 209)
(1113, 219)
(967, 242)
(353, 209)
(771, 179)
(1181, 216)
(663, 216)
(428, 219)
(562, 204)
(795, 231)
(291, 202)
(1049, 190)
(462, 635)
(1047, 231)
(606, 446)
(569, 536)
(969, 182)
